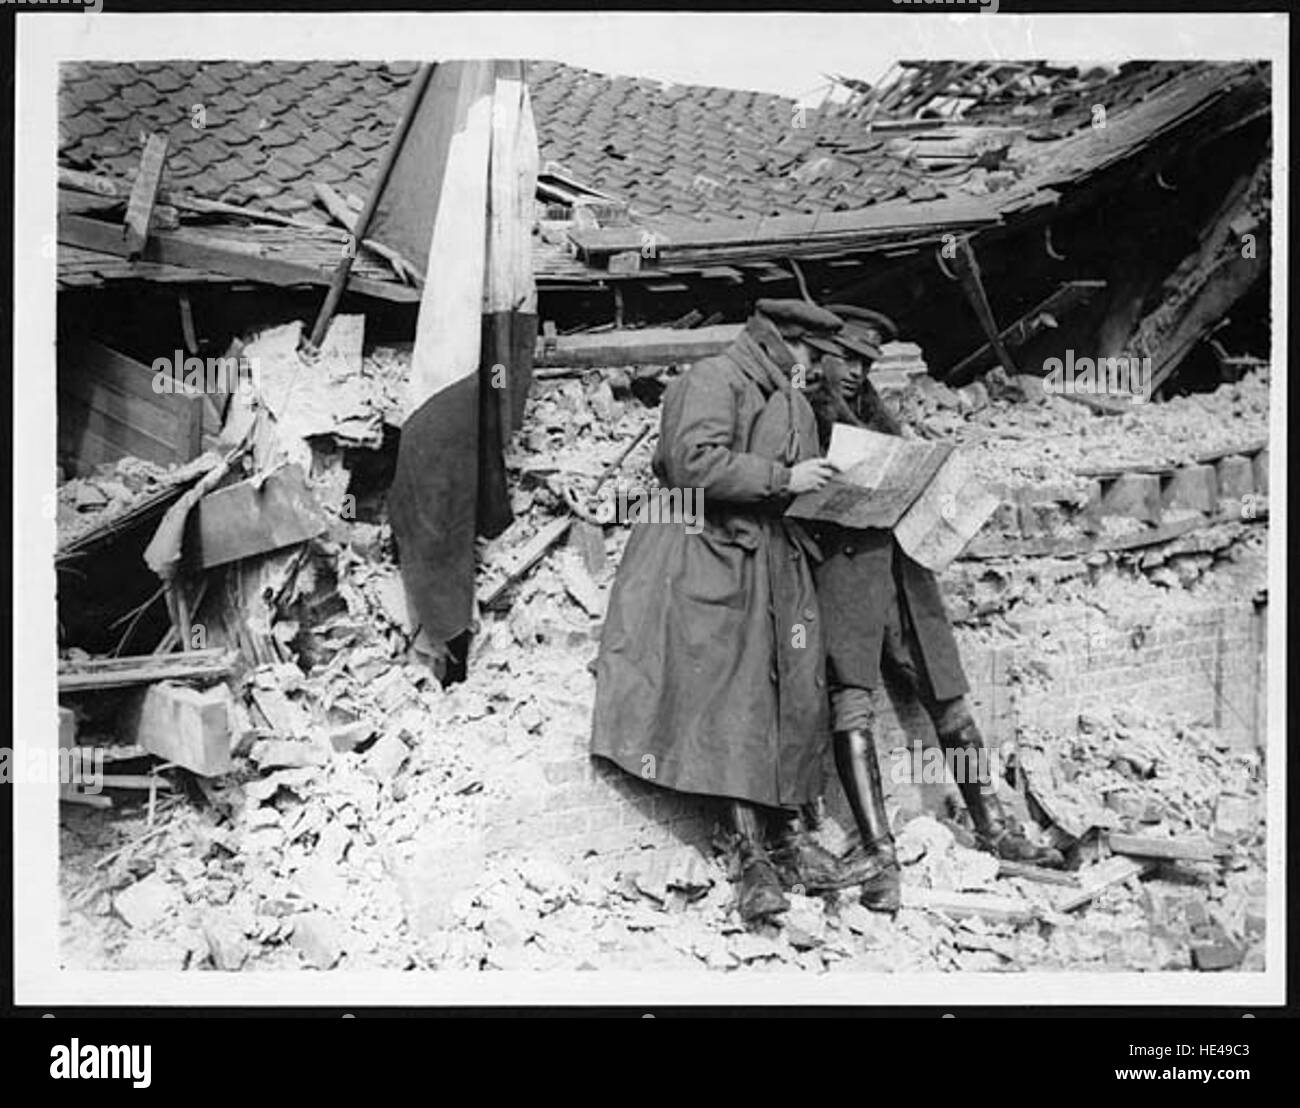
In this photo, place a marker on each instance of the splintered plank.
(200, 249)
(1037, 873)
(144, 669)
(1070, 295)
(68, 795)
(1113, 871)
(523, 559)
(144, 192)
(996, 909)
(642, 346)
(1186, 850)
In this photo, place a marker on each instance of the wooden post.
(139, 208)
(335, 294)
(968, 272)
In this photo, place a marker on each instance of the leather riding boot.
(995, 831)
(759, 893)
(873, 864)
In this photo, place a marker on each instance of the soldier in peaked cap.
(711, 672)
(882, 609)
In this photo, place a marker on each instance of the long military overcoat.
(711, 671)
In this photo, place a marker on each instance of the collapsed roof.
(940, 144)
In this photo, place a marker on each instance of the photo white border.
(45, 39)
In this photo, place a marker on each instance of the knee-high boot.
(759, 893)
(874, 862)
(996, 831)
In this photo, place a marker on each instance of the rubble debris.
(378, 842)
(145, 902)
(92, 507)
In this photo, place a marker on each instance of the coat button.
(820, 681)
(848, 550)
(772, 675)
(809, 614)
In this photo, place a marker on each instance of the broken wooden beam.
(1044, 876)
(89, 800)
(111, 188)
(987, 906)
(144, 192)
(644, 346)
(118, 673)
(972, 284)
(1069, 296)
(193, 248)
(1113, 871)
(134, 781)
(1148, 846)
(341, 277)
(526, 557)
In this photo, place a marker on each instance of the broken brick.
(190, 727)
(1133, 494)
(1236, 478)
(385, 758)
(316, 937)
(1192, 487)
(1218, 955)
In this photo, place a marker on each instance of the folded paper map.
(922, 491)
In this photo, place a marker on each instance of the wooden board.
(1146, 846)
(254, 517)
(194, 249)
(144, 191)
(646, 346)
(988, 906)
(523, 559)
(1113, 871)
(116, 673)
(108, 410)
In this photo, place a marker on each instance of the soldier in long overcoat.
(711, 671)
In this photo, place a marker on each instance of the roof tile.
(276, 126)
